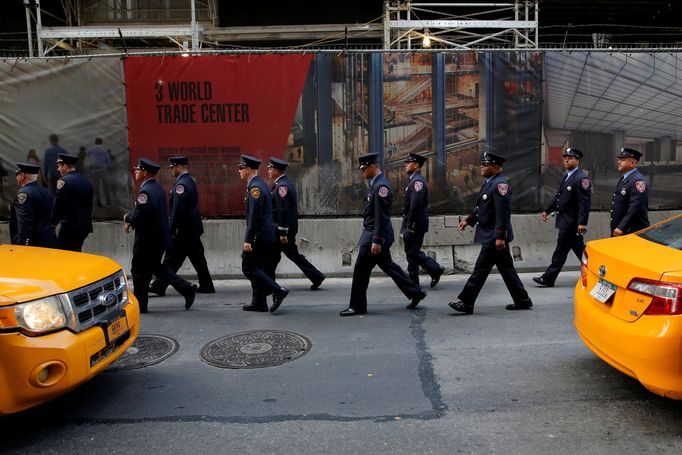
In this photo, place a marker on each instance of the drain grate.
(255, 349)
(147, 350)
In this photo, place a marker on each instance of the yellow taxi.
(628, 304)
(64, 317)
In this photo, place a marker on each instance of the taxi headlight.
(43, 315)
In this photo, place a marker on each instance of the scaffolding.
(97, 26)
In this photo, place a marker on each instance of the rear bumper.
(70, 359)
(648, 349)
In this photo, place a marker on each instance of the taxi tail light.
(583, 270)
(666, 297)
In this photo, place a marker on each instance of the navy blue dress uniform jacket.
(73, 204)
(284, 207)
(185, 218)
(492, 215)
(415, 216)
(150, 218)
(259, 226)
(30, 217)
(630, 205)
(377, 226)
(572, 201)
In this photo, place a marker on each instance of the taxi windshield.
(668, 233)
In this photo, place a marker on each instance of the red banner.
(212, 109)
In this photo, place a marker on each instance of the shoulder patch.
(383, 191)
(142, 198)
(60, 184)
(179, 188)
(640, 185)
(585, 183)
(21, 197)
(503, 188)
(418, 185)
(255, 192)
(282, 190)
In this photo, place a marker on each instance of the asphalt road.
(392, 381)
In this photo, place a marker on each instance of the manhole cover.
(255, 349)
(147, 350)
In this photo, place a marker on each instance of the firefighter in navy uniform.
(572, 204)
(149, 218)
(416, 222)
(186, 229)
(630, 204)
(259, 239)
(492, 218)
(31, 210)
(285, 219)
(375, 242)
(72, 204)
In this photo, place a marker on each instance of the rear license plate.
(118, 327)
(603, 291)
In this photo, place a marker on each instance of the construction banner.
(212, 109)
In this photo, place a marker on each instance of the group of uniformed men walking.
(272, 225)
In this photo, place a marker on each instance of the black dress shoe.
(189, 297)
(525, 305)
(462, 307)
(278, 298)
(316, 284)
(205, 290)
(257, 308)
(351, 312)
(436, 278)
(156, 288)
(542, 282)
(415, 301)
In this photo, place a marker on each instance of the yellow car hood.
(29, 273)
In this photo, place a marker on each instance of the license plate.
(603, 291)
(117, 328)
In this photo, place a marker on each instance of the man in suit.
(285, 219)
(630, 204)
(31, 210)
(416, 222)
(72, 204)
(149, 218)
(185, 228)
(572, 206)
(259, 239)
(492, 218)
(376, 240)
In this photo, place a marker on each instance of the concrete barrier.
(330, 243)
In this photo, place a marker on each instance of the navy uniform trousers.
(416, 257)
(488, 257)
(365, 263)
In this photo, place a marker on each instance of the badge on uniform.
(179, 189)
(142, 198)
(60, 184)
(585, 183)
(485, 196)
(623, 192)
(418, 186)
(640, 185)
(282, 190)
(21, 197)
(502, 188)
(568, 188)
(383, 191)
(255, 192)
